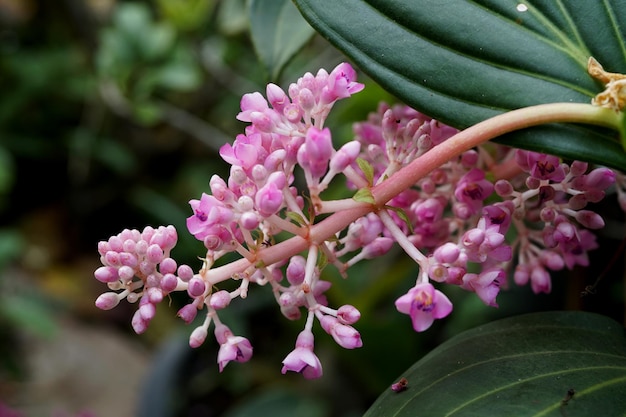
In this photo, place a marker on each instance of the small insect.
(400, 386)
(568, 396)
(266, 243)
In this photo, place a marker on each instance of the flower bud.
(345, 156)
(347, 314)
(220, 300)
(600, 178)
(447, 253)
(377, 247)
(116, 244)
(196, 287)
(198, 336)
(167, 266)
(112, 258)
(147, 311)
(185, 272)
(345, 336)
(269, 199)
(503, 188)
(169, 282)
(107, 301)
(306, 100)
(126, 273)
(589, 219)
(138, 323)
(106, 274)
(295, 270)
(188, 313)
(128, 259)
(276, 97)
(438, 273)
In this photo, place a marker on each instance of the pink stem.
(420, 167)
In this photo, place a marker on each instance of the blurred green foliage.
(141, 57)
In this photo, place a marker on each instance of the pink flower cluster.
(458, 218)
(243, 214)
(138, 264)
(452, 222)
(555, 199)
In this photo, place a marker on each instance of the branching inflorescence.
(452, 221)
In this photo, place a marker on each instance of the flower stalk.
(420, 167)
(419, 183)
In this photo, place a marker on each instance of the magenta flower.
(472, 189)
(207, 212)
(269, 199)
(540, 166)
(302, 359)
(486, 284)
(424, 304)
(315, 155)
(251, 102)
(232, 348)
(346, 336)
(342, 81)
(244, 152)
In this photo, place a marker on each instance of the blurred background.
(111, 116)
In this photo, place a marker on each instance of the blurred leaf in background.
(278, 32)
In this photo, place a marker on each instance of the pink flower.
(472, 189)
(540, 166)
(302, 359)
(244, 152)
(342, 82)
(232, 348)
(599, 179)
(346, 336)
(207, 212)
(269, 199)
(277, 97)
(424, 304)
(348, 314)
(345, 156)
(540, 280)
(498, 214)
(251, 102)
(315, 155)
(486, 284)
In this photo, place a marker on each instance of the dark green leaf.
(521, 366)
(278, 32)
(465, 61)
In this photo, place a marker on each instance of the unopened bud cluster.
(453, 221)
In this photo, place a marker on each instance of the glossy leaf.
(521, 366)
(465, 61)
(278, 32)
